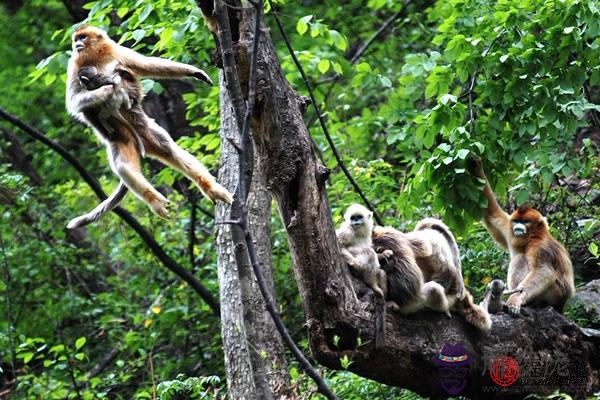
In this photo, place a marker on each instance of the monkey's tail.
(379, 303)
(474, 314)
(108, 204)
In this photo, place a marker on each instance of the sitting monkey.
(492, 298)
(354, 238)
(540, 272)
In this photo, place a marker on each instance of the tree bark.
(341, 324)
(254, 357)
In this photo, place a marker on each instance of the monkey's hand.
(384, 255)
(514, 303)
(203, 76)
(475, 165)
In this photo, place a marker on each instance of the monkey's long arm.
(496, 220)
(535, 283)
(155, 67)
(350, 259)
(111, 202)
(79, 100)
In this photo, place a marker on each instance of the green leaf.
(345, 362)
(385, 81)
(79, 343)
(302, 25)
(145, 12)
(337, 67)
(138, 34)
(26, 356)
(122, 11)
(323, 65)
(593, 249)
(462, 153)
(448, 98)
(363, 67)
(339, 40)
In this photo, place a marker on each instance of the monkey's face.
(88, 38)
(497, 286)
(526, 222)
(359, 219)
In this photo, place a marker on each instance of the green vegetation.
(515, 82)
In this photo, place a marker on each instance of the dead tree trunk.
(339, 321)
(254, 357)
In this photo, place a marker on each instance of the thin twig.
(147, 238)
(152, 377)
(192, 229)
(378, 33)
(322, 121)
(243, 212)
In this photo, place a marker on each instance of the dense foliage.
(516, 83)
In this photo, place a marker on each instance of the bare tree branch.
(240, 215)
(322, 121)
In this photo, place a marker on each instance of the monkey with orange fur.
(93, 48)
(540, 272)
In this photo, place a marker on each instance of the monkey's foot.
(392, 305)
(203, 76)
(478, 317)
(480, 320)
(158, 204)
(214, 191)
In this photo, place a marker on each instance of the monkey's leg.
(435, 298)
(125, 162)
(535, 283)
(165, 149)
(111, 202)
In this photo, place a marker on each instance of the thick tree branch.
(322, 121)
(156, 249)
(239, 212)
(340, 316)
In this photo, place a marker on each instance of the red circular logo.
(504, 371)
